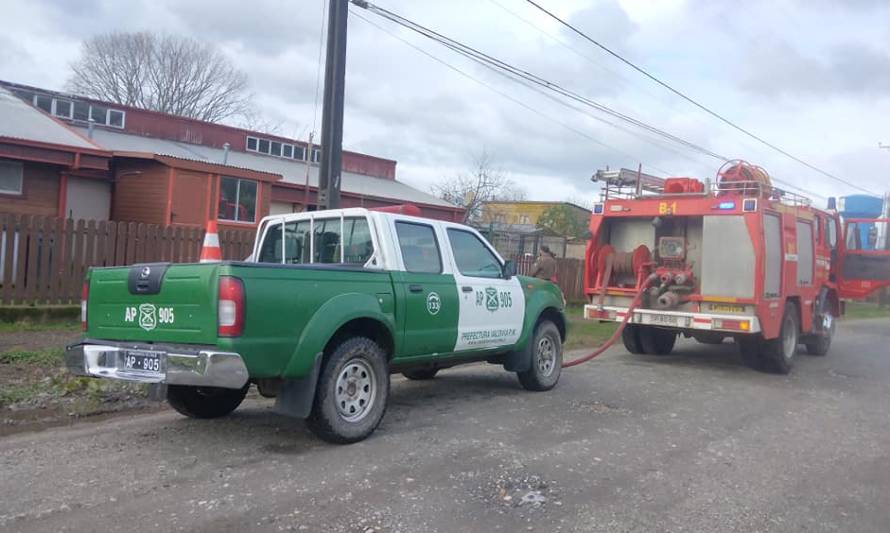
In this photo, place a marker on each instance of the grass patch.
(585, 333)
(27, 325)
(865, 310)
(47, 357)
(15, 393)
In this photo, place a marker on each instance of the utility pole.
(332, 109)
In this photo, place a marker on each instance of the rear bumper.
(205, 367)
(676, 319)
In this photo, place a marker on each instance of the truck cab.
(326, 307)
(738, 259)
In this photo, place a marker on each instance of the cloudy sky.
(811, 76)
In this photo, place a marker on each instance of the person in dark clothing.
(545, 266)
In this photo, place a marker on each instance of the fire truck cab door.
(864, 259)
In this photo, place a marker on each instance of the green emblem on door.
(433, 303)
(491, 299)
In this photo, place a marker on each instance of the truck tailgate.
(182, 309)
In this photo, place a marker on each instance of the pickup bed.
(327, 306)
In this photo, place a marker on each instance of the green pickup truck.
(327, 306)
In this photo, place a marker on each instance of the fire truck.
(735, 257)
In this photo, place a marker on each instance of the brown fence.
(43, 259)
(569, 275)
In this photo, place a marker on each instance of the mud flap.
(297, 395)
(519, 360)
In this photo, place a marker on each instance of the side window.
(357, 242)
(270, 250)
(852, 232)
(296, 242)
(326, 248)
(472, 256)
(420, 251)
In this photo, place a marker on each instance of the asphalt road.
(689, 442)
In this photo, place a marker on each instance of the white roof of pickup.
(292, 171)
(18, 120)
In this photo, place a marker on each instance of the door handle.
(414, 287)
(466, 288)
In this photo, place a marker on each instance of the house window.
(10, 177)
(264, 146)
(523, 219)
(276, 148)
(115, 118)
(299, 153)
(81, 111)
(43, 102)
(237, 200)
(316, 155)
(63, 108)
(252, 144)
(287, 150)
(99, 114)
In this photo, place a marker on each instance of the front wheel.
(204, 402)
(778, 354)
(546, 364)
(352, 392)
(819, 342)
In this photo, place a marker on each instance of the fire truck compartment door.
(865, 257)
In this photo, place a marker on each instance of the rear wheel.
(819, 342)
(630, 335)
(205, 402)
(778, 354)
(352, 392)
(657, 341)
(546, 364)
(418, 374)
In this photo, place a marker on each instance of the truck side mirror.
(509, 269)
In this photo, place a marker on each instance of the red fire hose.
(611, 340)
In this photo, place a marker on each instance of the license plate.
(142, 361)
(662, 320)
(725, 308)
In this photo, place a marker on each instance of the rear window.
(327, 241)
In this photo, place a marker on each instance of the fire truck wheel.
(631, 338)
(778, 353)
(819, 344)
(657, 341)
(546, 359)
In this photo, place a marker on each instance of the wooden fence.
(569, 275)
(43, 259)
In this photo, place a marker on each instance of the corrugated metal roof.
(291, 170)
(19, 120)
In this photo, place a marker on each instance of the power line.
(707, 110)
(507, 96)
(525, 78)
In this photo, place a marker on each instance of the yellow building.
(526, 212)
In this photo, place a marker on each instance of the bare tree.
(485, 183)
(161, 72)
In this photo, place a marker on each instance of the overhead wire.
(525, 77)
(694, 102)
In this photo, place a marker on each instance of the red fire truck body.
(741, 259)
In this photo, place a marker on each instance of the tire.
(204, 402)
(420, 374)
(778, 354)
(657, 341)
(546, 364)
(819, 343)
(352, 392)
(631, 338)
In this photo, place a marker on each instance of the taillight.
(84, 296)
(230, 308)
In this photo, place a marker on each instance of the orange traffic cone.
(210, 252)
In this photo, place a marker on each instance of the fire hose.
(611, 340)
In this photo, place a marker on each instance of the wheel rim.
(356, 390)
(789, 339)
(546, 356)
